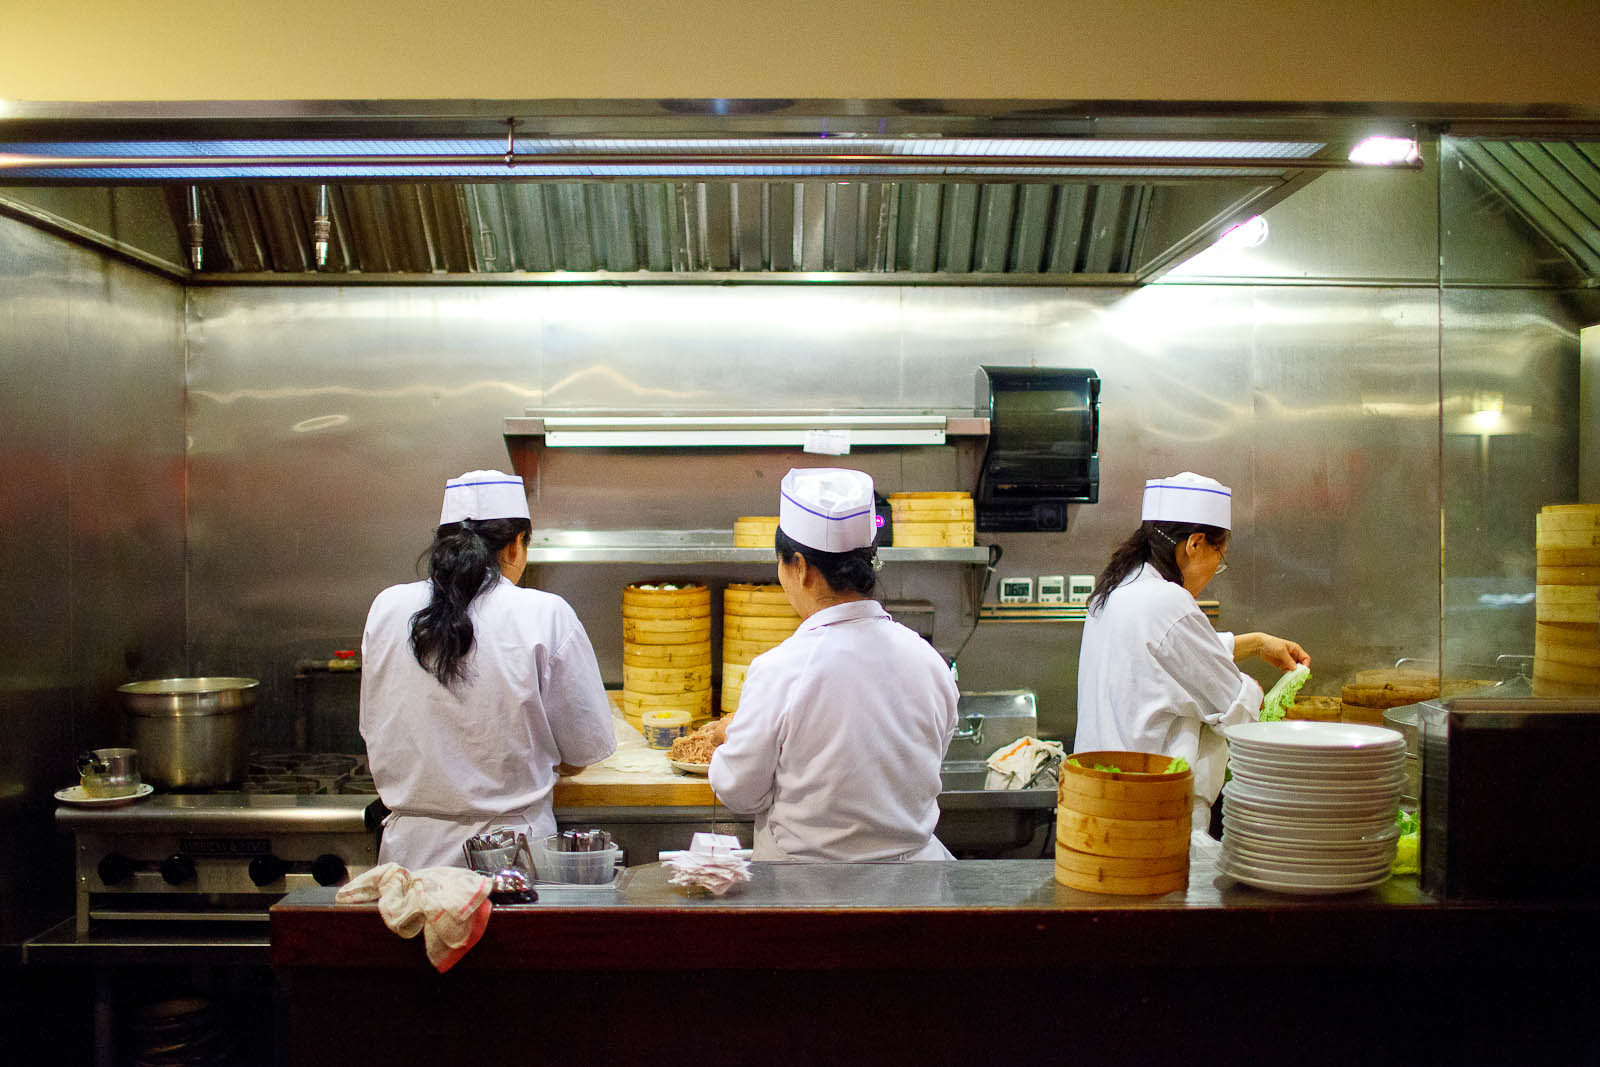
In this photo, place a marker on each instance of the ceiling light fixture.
(1247, 234)
(1385, 151)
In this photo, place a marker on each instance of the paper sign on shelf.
(828, 442)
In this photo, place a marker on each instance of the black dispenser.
(1044, 446)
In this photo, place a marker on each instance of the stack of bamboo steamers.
(932, 520)
(1122, 824)
(755, 618)
(666, 650)
(1566, 642)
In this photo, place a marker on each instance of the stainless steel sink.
(978, 821)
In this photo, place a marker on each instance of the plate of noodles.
(701, 769)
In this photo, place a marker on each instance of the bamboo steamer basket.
(1101, 836)
(755, 531)
(698, 654)
(686, 594)
(1357, 713)
(1314, 709)
(957, 534)
(745, 651)
(665, 631)
(665, 679)
(942, 499)
(931, 514)
(770, 628)
(1123, 832)
(1566, 634)
(755, 618)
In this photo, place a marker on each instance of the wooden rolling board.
(605, 787)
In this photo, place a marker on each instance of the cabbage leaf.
(1281, 697)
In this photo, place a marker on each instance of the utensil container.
(109, 772)
(595, 867)
(1126, 831)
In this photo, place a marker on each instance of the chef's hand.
(717, 729)
(1286, 655)
(567, 770)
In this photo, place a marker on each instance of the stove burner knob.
(114, 868)
(267, 869)
(177, 869)
(329, 869)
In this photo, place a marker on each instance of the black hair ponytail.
(845, 572)
(1155, 543)
(462, 562)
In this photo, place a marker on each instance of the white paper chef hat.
(484, 495)
(1188, 497)
(827, 508)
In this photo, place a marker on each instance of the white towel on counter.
(449, 906)
(1022, 763)
(712, 865)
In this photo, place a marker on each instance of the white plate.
(1239, 759)
(1278, 886)
(1260, 836)
(74, 794)
(1351, 833)
(701, 769)
(1249, 872)
(1364, 822)
(1318, 737)
(1334, 791)
(1296, 805)
(1312, 863)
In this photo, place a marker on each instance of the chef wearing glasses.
(1153, 674)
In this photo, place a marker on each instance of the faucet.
(972, 732)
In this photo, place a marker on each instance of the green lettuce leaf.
(1281, 696)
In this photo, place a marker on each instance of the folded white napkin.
(711, 864)
(449, 906)
(1017, 765)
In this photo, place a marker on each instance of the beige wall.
(1408, 51)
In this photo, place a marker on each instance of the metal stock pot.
(191, 733)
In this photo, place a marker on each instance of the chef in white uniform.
(475, 692)
(1153, 674)
(841, 729)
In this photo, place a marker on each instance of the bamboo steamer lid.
(1558, 517)
(665, 631)
(1314, 709)
(666, 655)
(1388, 695)
(1123, 837)
(652, 595)
(748, 593)
(933, 534)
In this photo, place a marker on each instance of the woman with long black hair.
(475, 692)
(1153, 674)
(841, 729)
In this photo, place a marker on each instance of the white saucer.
(74, 794)
(701, 769)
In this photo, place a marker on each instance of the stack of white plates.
(1311, 807)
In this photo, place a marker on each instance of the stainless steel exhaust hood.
(903, 191)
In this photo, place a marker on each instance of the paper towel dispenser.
(1044, 446)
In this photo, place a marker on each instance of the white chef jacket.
(453, 762)
(838, 739)
(1155, 676)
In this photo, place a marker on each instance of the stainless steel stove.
(225, 855)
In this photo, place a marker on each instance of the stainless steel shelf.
(697, 546)
(741, 430)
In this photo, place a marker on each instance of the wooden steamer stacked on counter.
(1123, 831)
(1375, 691)
(755, 618)
(1566, 642)
(932, 520)
(666, 650)
(755, 531)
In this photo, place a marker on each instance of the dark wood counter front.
(940, 962)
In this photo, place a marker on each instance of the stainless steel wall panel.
(91, 530)
(1510, 379)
